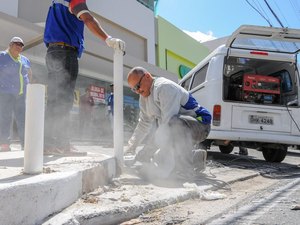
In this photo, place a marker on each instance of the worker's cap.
(17, 40)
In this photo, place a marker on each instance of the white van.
(251, 87)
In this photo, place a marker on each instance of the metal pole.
(118, 106)
(34, 129)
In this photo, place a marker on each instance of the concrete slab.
(28, 199)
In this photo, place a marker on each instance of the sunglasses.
(138, 85)
(19, 44)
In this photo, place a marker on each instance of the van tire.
(226, 149)
(274, 155)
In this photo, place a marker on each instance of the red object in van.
(261, 84)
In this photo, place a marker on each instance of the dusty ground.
(198, 211)
(130, 196)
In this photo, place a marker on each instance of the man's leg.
(186, 133)
(19, 111)
(174, 153)
(243, 151)
(111, 120)
(199, 134)
(176, 144)
(62, 68)
(7, 102)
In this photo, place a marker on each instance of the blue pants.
(62, 65)
(10, 105)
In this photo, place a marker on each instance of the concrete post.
(34, 129)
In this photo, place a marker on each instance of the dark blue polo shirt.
(63, 23)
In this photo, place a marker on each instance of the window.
(148, 3)
(186, 83)
(199, 76)
(286, 82)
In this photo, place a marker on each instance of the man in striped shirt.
(64, 38)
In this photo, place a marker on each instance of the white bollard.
(118, 106)
(34, 129)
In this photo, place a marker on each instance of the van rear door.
(269, 39)
(262, 42)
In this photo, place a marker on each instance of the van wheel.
(274, 155)
(226, 149)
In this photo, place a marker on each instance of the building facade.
(147, 44)
(177, 52)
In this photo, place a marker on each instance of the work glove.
(115, 43)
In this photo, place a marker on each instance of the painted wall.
(9, 7)
(176, 48)
(134, 17)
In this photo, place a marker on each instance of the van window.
(286, 81)
(186, 83)
(199, 76)
(258, 81)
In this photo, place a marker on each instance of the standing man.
(86, 105)
(110, 106)
(181, 124)
(14, 77)
(64, 39)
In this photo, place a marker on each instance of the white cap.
(17, 39)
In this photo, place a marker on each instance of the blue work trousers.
(11, 104)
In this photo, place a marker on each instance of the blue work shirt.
(13, 73)
(64, 25)
(110, 103)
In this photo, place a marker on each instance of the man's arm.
(142, 129)
(93, 25)
(30, 75)
(80, 9)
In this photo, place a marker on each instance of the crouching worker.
(180, 122)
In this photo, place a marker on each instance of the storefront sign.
(98, 94)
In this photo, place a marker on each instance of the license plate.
(260, 119)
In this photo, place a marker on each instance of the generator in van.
(251, 87)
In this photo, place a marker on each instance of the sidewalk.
(29, 199)
(130, 196)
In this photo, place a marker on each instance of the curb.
(42, 195)
(121, 211)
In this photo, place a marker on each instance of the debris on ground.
(295, 207)
(211, 195)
